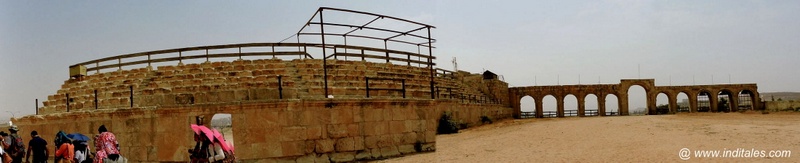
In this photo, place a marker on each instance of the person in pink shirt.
(106, 145)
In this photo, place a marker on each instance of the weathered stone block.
(293, 148)
(371, 141)
(293, 133)
(322, 158)
(344, 144)
(397, 127)
(324, 146)
(406, 149)
(343, 157)
(390, 151)
(363, 155)
(307, 158)
(358, 143)
(372, 115)
(376, 128)
(337, 130)
(316, 132)
(342, 115)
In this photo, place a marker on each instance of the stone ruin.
(349, 103)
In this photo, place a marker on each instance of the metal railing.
(590, 112)
(531, 114)
(301, 51)
(387, 54)
(95, 65)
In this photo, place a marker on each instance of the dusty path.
(620, 139)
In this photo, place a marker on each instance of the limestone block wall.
(782, 105)
(336, 130)
(249, 80)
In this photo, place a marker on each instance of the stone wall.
(782, 105)
(291, 130)
(290, 120)
(241, 80)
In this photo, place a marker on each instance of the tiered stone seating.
(252, 80)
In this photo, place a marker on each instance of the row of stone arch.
(601, 91)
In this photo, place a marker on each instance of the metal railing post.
(280, 87)
(67, 102)
(95, 99)
(131, 96)
(37, 106)
(404, 88)
(367, 79)
(386, 47)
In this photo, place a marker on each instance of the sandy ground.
(620, 139)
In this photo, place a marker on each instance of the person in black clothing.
(38, 146)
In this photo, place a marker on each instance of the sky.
(527, 42)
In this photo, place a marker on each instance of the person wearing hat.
(38, 148)
(16, 149)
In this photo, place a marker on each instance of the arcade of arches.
(701, 98)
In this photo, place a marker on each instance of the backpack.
(17, 148)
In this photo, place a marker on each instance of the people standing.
(81, 151)
(217, 154)
(2, 146)
(66, 152)
(38, 148)
(106, 145)
(16, 149)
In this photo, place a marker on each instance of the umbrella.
(197, 129)
(225, 146)
(78, 137)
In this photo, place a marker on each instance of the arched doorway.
(662, 103)
(704, 101)
(549, 106)
(746, 99)
(725, 103)
(223, 123)
(527, 106)
(637, 100)
(570, 106)
(590, 105)
(683, 102)
(612, 105)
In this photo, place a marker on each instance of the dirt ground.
(657, 138)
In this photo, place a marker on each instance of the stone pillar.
(560, 104)
(515, 102)
(734, 101)
(581, 106)
(651, 103)
(755, 100)
(713, 98)
(623, 103)
(539, 109)
(673, 103)
(601, 105)
(692, 102)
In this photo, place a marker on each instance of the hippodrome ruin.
(312, 101)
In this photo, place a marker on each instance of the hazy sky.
(539, 42)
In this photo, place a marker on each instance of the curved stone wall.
(245, 80)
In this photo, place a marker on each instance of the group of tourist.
(210, 145)
(72, 148)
